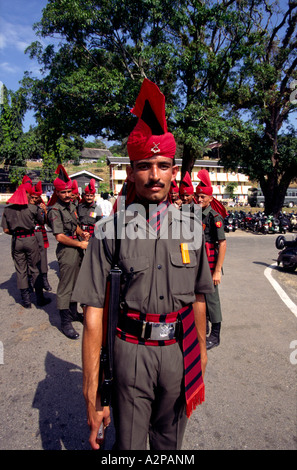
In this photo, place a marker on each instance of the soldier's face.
(33, 198)
(203, 200)
(89, 198)
(152, 178)
(65, 195)
(187, 198)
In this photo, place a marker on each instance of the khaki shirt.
(62, 218)
(214, 225)
(16, 217)
(88, 214)
(158, 279)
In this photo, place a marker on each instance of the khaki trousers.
(149, 399)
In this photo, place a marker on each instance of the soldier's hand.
(84, 244)
(85, 235)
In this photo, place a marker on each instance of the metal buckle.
(162, 331)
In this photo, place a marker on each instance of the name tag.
(185, 253)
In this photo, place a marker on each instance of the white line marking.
(285, 298)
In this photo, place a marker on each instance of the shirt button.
(161, 297)
(159, 266)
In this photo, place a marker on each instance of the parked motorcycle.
(229, 224)
(293, 222)
(273, 224)
(284, 224)
(288, 256)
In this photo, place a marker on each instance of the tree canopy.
(214, 60)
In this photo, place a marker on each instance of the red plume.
(149, 92)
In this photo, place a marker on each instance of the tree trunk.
(188, 160)
(274, 194)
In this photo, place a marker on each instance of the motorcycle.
(229, 225)
(261, 225)
(273, 224)
(284, 224)
(293, 222)
(288, 256)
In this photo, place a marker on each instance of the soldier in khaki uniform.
(87, 210)
(19, 220)
(186, 191)
(40, 233)
(160, 350)
(213, 213)
(63, 220)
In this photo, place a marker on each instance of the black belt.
(150, 330)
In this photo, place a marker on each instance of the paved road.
(250, 381)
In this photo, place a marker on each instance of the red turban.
(150, 136)
(204, 187)
(174, 187)
(37, 189)
(19, 197)
(26, 181)
(186, 186)
(74, 187)
(90, 189)
(63, 181)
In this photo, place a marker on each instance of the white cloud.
(15, 36)
(9, 68)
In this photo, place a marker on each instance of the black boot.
(41, 301)
(26, 299)
(45, 282)
(31, 289)
(66, 325)
(213, 339)
(76, 316)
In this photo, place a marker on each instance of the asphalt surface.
(250, 379)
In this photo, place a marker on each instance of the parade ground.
(250, 379)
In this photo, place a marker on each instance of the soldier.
(40, 234)
(19, 220)
(213, 213)
(75, 197)
(63, 220)
(174, 195)
(186, 190)
(156, 383)
(87, 210)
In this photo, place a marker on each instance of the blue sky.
(16, 33)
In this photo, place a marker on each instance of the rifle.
(111, 310)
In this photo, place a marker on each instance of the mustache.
(152, 184)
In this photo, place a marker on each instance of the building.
(218, 176)
(83, 178)
(92, 155)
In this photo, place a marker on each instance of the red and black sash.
(21, 233)
(193, 381)
(41, 229)
(211, 255)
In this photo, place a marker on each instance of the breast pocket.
(135, 278)
(182, 276)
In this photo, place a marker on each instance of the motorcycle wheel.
(290, 267)
(280, 242)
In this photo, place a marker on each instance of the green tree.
(12, 112)
(263, 88)
(212, 59)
